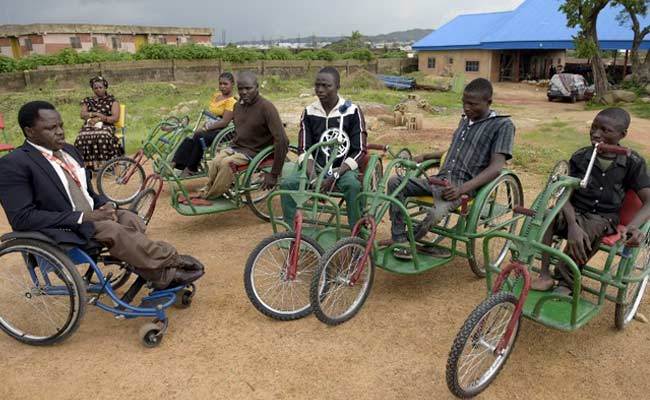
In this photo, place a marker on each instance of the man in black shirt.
(592, 212)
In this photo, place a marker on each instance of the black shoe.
(184, 277)
(189, 263)
(436, 252)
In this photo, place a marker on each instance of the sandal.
(402, 254)
(194, 200)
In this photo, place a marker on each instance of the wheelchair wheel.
(42, 295)
(334, 298)
(265, 277)
(143, 204)
(255, 196)
(629, 299)
(119, 278)
(505, 195)
(120, 179)
(472, 364)
(222, 141)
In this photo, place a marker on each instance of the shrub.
(326, 54)
(307, 55)
(156, 51)
(7, 64)
(359, 54)
(394, 54)
(276, 53)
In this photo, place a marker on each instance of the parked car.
(571, 87)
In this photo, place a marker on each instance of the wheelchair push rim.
(42, 295)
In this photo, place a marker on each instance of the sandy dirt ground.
(395, 348)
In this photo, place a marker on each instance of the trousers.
(220, 175)
(125, 239)
(416, 187)
(347, 183)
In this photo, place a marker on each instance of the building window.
(28, 44)
(471, 66)
(94, 39)
(431, 62)
(116, 42)
(75, 42)
(450, 60)
(162, 40)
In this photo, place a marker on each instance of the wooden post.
(625, 64)
(27, 78)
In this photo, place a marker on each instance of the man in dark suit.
(44, 187)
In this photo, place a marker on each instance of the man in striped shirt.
(316, 125)
(479, 149)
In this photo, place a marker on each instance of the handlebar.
(439, 182)
(610, 148)
(379, 147)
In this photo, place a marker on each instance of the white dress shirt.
(78, 169)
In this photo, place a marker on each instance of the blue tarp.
(397, 82)
(535, 24)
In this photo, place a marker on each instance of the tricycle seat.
(264, 164)
(630, 207)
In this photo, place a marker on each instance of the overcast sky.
(254, 19)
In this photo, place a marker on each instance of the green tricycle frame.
(121, 179)
(345, 273)
(245, 191)
(317, 225)
(488, 336)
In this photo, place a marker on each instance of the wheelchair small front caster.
(184, 297)
(151, 335)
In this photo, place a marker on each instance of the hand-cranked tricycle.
(279, 270)
(488, 336)
(121, 179)
(345, 272)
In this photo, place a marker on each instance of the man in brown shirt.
(257, 125)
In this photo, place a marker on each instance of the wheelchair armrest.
(92, 247)
(35, 235)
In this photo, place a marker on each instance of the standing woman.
(97, 142)
(190, 152)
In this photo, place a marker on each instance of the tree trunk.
(597, 67)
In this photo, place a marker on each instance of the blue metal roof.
(535, 24)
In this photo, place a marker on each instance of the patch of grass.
(538, 150)
(639, 109)
(146, 104)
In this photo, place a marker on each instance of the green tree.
(632, 10)
(583, 14)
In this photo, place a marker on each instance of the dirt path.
(396, 348)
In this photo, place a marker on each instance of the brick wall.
(65, 76)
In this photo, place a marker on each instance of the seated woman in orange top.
(190, 152)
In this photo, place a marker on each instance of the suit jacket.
(35, 199)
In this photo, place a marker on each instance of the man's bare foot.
(542, 283)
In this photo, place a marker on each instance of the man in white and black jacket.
(315, 124)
